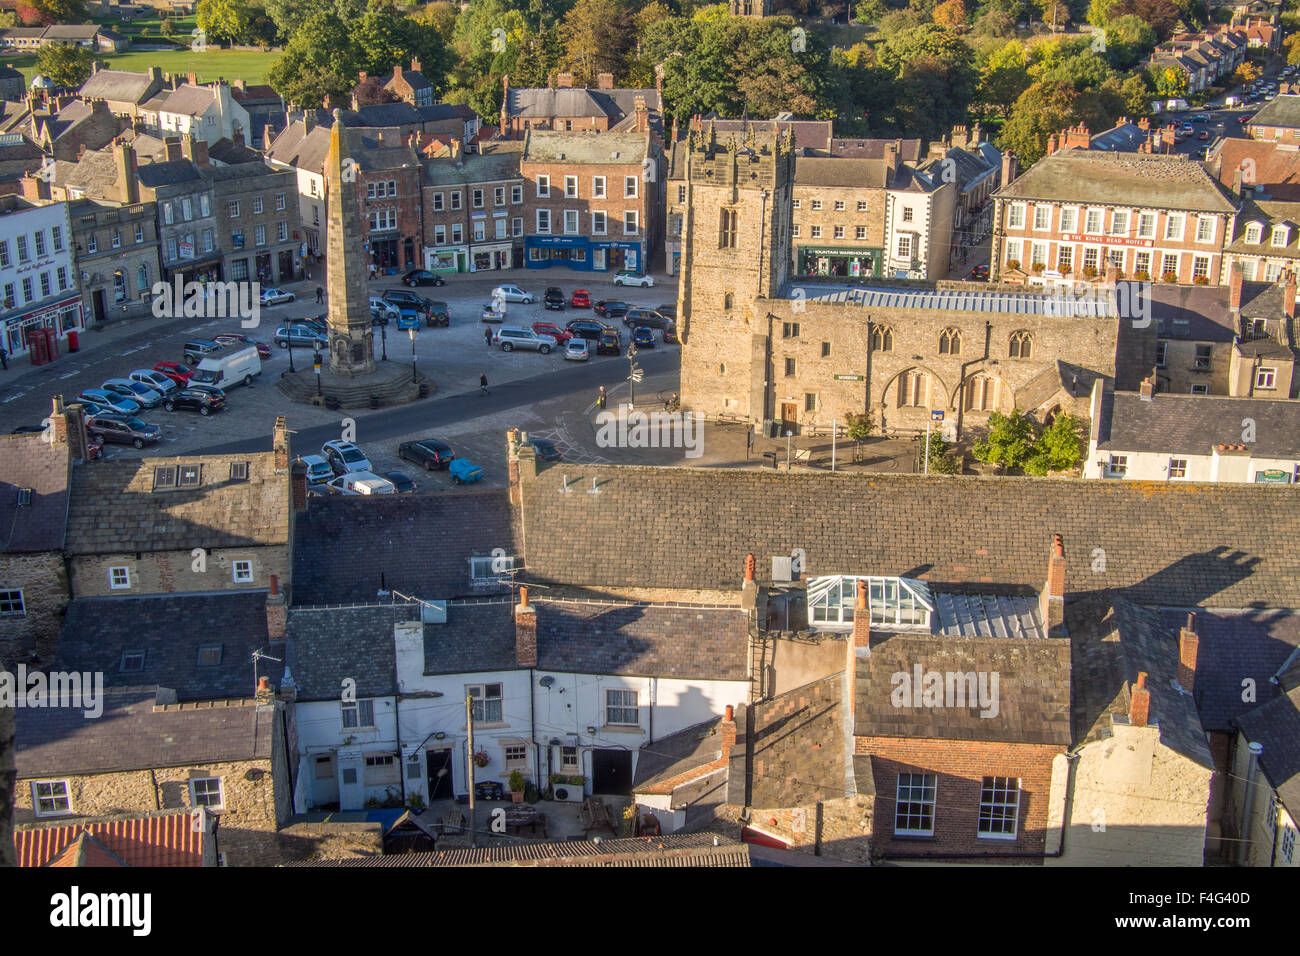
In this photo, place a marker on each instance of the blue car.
(643, 338)
(102, 400)
(408, 318)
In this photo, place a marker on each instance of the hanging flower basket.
(481, 759)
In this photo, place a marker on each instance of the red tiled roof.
(161, 840)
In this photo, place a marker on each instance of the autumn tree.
(223, 21)
(1160, 15)
(65, 65)
(951, 15)
(598, 36)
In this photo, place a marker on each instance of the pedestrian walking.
(320, 294)
(482, 384)
(487, 337)
(4, 358)
(372, 270)
(600, 399)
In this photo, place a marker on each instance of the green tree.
(994, 23)
(1137, 96)
(167, 27)
(1009, 441)
(598, 36)
(1004, 77)
(1169, 81)
(935, 79)
(898, 21)
(62, 11)
(939, 454)
(223, 21)
(1100, 12)
(290, 15)
(1160, 15)
(321, 60)
(383, 37)
(1128, 40)
(1058, 448)
(9, 19)
(860, 425)
(441, 16)
(869, 11)
(65, 65)
(1292, 45)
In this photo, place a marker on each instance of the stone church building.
(780, 352)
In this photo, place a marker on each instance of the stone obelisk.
(351, 334)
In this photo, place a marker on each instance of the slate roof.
(161, 838)
(383, 115)
(172, 173)
(227, 151)
(31, 462)
(345, 548)
(1204, 309)
(1276, 725)
(445, 111)
(95, 173)
(189, 100)
(293, 148)
(980, 299)
(542, 103)
(543, 146)
(1123, 138)
(132, 734)
(495, 165)
(478, 636)
(1125, 179)
(1267, 214)
(1165, 543)
(661, 760)
(853, 173)
(1032, 698)
(115, 509)
(808, 134)
(1112, 641)
(1236, 646)
(327, 645)
(1194, 424)
(909, 150)
(170, 629)
(1275, 171)
(414, 79)
(970, 165)
(1283, 111)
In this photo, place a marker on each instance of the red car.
(547, 328)
(1243, 120)
(176, 371)
(581, 299)
(1202, 135)
(263, 350)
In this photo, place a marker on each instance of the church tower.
(351, 334)
(736, 234)
(750, 8)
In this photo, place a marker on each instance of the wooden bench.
(594, 815)
(453, 822)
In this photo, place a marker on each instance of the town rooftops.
(34, 474)
(1123, 138)
(176, 172)
(135, 733)
(661, 764)
(161, 838)
(1276, 725)
(1194, 424)
(1237, 645)
(909, 150)
(491, 165)
(1267, 169)
(327, 645)
(1120, 179)
(808, 134)
(962, 300)
(1195, 313)
(118, 507)
(854, 173)
(189, 100)
(908, 604)
(302, 150)
(544, 146)
(1282, 111)
(946, 531)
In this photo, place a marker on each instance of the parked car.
(587, 329)
(275, 296)
(575, 350)
(581, 299)
(644, 317)
(512, 337)
(1203, 135)
(553, 299)
(387, 310)
(318, 470)
(609, 343)
(300, 335)
(611, 308)
(438, 314)
(668, 310)
(512, 293)
(545, 449)
(631, 277)
(316, 325)
(408, 319)
(198, 349)
(29, 429)
(980, 273)
(1243, 120)
(422, 277)
(109, 401)
(1187, 129)
(142, 394)
(235, 338)
(1200, 118)
(361, 483)
(175, 371)
(197, 398)
(428, 453)
(156, 380)
(643, 338)
(123, 430)
(401, 483)
(492, 314)
(554, 331)
(380, 316)
(343, 457)
(402, 297)
(670, 335)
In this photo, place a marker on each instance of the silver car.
(146, 396)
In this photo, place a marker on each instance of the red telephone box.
(36, 349)
(51, 343)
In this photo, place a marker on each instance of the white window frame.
(195, 795)
(66, 797)
(631, 222)
(1254, 233)
(1266, 377)
(359, 709)
(1100, 229)
(482, 709)
(1205, 229)
(1146, 225)
(571, 222)
(631, 187)
(241, 571)
(113, 584)
(1118, 218)
(1178, 464)
(516, 194)
(599, 222)
(543, 187)
(1117, 467)
(1281, 235)
(514, 757)
(617, 707)
(928, 785)
(570, 187)
(1016, 216)
(1045, 214)
(1069, 219)
(543, 222)
(480, 568)
(574, 764)
(992, 808)
(1175, 223)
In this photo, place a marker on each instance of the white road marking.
(138, 348)
(71, 374)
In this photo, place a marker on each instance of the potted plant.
(1202, 280)
(517, 784)
(1170, 277)
(481, 759)
(1090, 272)
(1013, 264)
(1038, 267)
(1064, 270)
(1142, 275)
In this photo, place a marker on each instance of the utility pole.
(469, 762)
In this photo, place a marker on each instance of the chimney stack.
(727, 731)
(68, 427)
(642, 115)
(280, 445)
(196, 150)
(415, 65)
(1051, 144)
(276, 612)
(525, 631)
(862, 618)
(564, 81)
(1139, 705)
(1051, 602)
(1147, 389)
(604, 81)
(1288, 297)
(173, 147)
(1188, 644)
(1010, 167)
(298, 484)
(1236, 281)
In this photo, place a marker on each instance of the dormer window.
(1281, 235)
(1254, 233)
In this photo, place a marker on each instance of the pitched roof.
(1276, 725)
(1273, 171)
(1283, 111)
(189, 100)
(227, 151)
(1127, 179)
(87, 851)
(1112, 641)
(808, 134)
(1194, 424)
(493, 165)
(345, 548)
(826, 171)
(170, 629)
(1161, 544)
(302, 151)
(115, 509)
(135, 734)
(543, 103)
(1197, 313)
(663, 760)
(544, 146)
(171, 173)
(330, 644)
(29, 462)
(909, 150)
(1236, 646)
(162, 838)
(445, 111)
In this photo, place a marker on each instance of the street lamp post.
(383, 338)
(411, 333)
(788, 433)
(288, 331)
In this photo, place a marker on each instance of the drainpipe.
(1248, 804)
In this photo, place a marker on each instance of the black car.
(668, 310)
(438, 314)
(402, 298)
(670, 335)
(609, 343)
(401, 482)
(645, 318)
(123, 430)
(196, 398)
(545, 449)
(422, 277)
(587, 329)
(554, 299)
(29, 429)
(428, 453)
(611, 308)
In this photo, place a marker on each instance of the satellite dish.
(547, 681)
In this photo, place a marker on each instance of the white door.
(598, 260)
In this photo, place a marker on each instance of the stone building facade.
(474, 209)
(258, 221)
(117, 255)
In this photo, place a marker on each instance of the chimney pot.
(1147, 389)
(1139, 708)
(523, 596)
(749, 566)
(275, 584)
(731, 712)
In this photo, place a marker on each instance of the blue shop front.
(582, 254)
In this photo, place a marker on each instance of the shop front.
(446, 258)
(384, 250)
(205, 268)
(61, 315)
(490, 256)
(582, 254)
(845, 261)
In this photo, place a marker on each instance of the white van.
(230, 366)
(361, 483)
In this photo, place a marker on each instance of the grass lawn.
(140, 26)
(250, 66)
